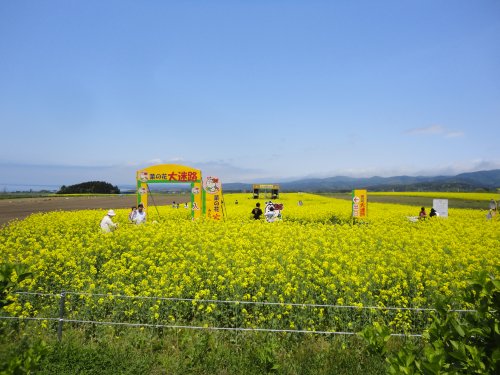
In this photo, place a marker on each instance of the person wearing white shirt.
(140, 215)
(270, 215)
(132, 213)
(107, 224)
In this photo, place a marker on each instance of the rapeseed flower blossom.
(314, 256)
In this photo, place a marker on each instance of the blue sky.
(248, 90)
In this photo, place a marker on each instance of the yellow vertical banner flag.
(212, 187)
(359, 203)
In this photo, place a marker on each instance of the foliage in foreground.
(29, 352)
(10, 276)
(452, 345)
(151, 351)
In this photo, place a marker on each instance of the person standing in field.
(270, 215)
(422, 215)
(257, 212)
(433, 212)
(107, 224)
(493, 205)
(140, 215)
(131, 215)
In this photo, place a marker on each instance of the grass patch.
(153, 351)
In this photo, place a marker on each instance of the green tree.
(90, 187)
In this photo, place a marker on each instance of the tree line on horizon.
(90, 187)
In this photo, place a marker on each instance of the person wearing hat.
(140, 215)
(107, 224)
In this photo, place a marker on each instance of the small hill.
(90, 187)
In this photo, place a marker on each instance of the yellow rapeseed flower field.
(443, 195)
(288, 274)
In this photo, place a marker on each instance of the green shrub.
(21, 354)
(10, 276)
(451, 345)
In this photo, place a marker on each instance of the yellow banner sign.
(213, 197)
(171, 173)
(359, 203)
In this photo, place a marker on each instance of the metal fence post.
(61, 315)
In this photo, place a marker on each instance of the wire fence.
(81, 308)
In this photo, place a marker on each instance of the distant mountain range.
(474, 181)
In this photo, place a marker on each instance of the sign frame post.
(180, 174)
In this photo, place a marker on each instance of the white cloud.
(124, 174)
(131, 164)
(176, 159)
(435, 130)
(167, 160)
(458, 167)
(455, 134)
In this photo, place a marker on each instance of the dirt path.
(20, 208)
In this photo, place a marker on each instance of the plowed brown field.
(20, 208)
